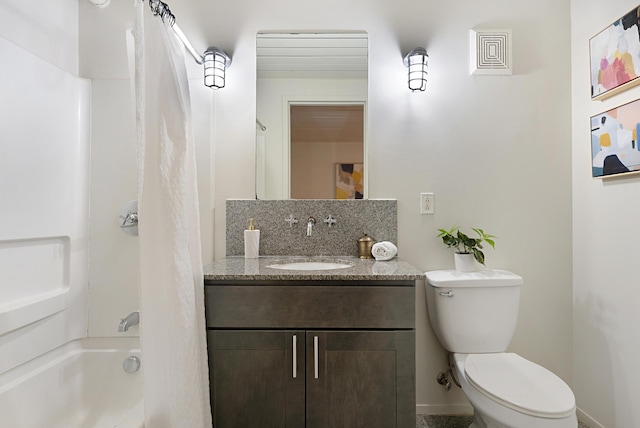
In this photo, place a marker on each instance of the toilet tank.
(473, 312)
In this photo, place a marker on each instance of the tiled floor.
(445, 421)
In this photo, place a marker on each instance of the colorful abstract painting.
(615, 55)
(614, 140)
(349, 181)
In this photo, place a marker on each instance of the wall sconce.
(215, 63)
(416, 61)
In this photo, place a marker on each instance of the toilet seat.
(520, 384)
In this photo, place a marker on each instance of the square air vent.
(490, 52)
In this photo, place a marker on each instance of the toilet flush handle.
(446, 293)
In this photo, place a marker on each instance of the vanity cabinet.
(251, 378)
(314, 354)
(364, 379)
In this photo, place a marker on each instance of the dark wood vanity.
(311, 349)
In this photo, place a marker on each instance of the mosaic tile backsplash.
(378, 218)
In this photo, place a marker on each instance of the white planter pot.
(465, 262)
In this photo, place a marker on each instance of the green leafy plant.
(463, 244)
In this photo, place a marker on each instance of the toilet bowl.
(508, 391)
(474, 315)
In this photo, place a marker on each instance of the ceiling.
(312, 55)
(327, 123)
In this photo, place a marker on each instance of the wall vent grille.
(490, 52)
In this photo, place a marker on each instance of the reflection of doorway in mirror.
(321, 137)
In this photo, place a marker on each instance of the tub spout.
(132, 319)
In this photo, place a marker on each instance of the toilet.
(474, 316)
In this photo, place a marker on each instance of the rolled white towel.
(384, 250)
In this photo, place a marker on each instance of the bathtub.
(79, 385)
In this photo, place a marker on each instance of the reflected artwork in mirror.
(311, 113)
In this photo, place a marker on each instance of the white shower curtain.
(173, 332)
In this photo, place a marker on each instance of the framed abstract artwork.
(614, 55)
(614, 141)
(349, 181)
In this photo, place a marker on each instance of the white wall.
(113, 256)
(605, 246)
(48, 29)
(44, 177)
(48, 293)
(114, 260)
(495, 150)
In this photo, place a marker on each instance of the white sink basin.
(309, 265)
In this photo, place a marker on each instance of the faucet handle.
(131, 219)
(291, 220)
(330, 220)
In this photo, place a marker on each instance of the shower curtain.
(173, 332)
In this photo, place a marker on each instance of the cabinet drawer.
(301, 306)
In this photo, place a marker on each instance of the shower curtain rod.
(162, 10)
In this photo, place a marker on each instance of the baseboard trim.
(584, 417)
(445, 409)
(466, 409)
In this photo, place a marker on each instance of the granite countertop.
(239, 268)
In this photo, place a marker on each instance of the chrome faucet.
(310, 224)
(132, 319)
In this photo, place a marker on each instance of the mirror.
(311, 115)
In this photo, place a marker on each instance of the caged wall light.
(416, 62)
(215, 63)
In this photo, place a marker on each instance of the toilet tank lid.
(483, 278)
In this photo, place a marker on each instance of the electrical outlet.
(426, 203)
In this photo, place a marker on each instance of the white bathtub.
(79, 385)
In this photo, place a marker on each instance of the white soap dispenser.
(251, 241)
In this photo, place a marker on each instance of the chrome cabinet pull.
(295, 356)
(447, 293)
(315, 356)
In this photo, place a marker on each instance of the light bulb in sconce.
(215, 63)
(416, 62)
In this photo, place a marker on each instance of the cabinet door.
(361, 379)
(257, 378)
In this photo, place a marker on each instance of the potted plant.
(468, 250)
